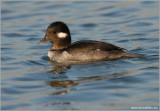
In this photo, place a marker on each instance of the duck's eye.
(54, 31)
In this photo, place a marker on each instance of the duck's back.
(88, 45)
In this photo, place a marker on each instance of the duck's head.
(58, 34)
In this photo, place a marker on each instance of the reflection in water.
(61, 92)
(57, 103)
(71, 83)
(58, 69)
(67, 86)
(65, 83)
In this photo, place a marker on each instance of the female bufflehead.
(63, 50)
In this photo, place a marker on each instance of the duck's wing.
(87, 45)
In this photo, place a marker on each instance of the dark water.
(29, 81)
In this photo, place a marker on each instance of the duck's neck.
(59, 46)
(55, 47)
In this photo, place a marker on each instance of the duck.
(63, 50)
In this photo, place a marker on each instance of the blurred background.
(30, 81)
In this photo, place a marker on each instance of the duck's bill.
(44, 40)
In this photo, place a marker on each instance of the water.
(29, 81)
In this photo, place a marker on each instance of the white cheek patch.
(62, 35)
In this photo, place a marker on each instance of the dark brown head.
(58, 34)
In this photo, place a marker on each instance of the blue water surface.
(30, 81)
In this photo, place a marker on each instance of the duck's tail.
(132, 55)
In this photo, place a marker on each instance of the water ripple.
(89, 25)
(13, 35)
